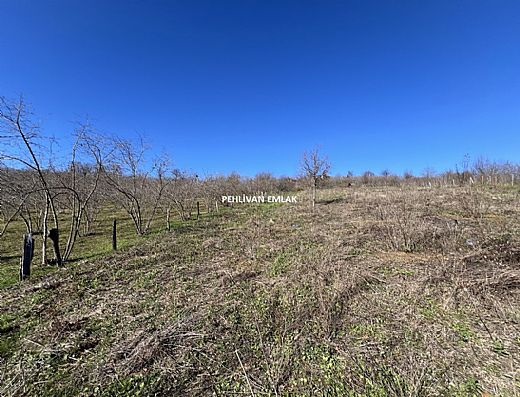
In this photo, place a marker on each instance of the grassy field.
(380, 292)
(96, 244)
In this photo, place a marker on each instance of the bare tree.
(367, 177)
(18, 144)
(428, 174)
(180, 195)
(314, 167)
(133, 186)
(212, 188)
(263, 182)
(81, 179)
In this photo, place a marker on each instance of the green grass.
(91, 246)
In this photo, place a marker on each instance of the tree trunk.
(44, 233)
(86, 226)
(168, 225)
(313, 194)
(27, 255)
(54, 235)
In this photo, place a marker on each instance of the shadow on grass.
(8, 257)
(332, 201)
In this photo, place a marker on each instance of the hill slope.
(379, 293)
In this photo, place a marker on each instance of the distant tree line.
(480, 172)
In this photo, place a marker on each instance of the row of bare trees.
(100, 171)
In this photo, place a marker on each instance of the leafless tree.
(17, 192)
(212, 188)
(263, 182)
(136, 189)
(314, 167)
(81, 180)
(19, 136)
(180, 195)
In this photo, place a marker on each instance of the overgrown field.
(379, 292)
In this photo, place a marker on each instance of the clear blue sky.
(248, 85)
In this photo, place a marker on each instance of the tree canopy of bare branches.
(314, 167)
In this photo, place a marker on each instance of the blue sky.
(247, 86)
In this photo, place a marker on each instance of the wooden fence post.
(114, 235)
(27, 255)
(54, 235)
(198, 210)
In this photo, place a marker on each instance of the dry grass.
(378, 293)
